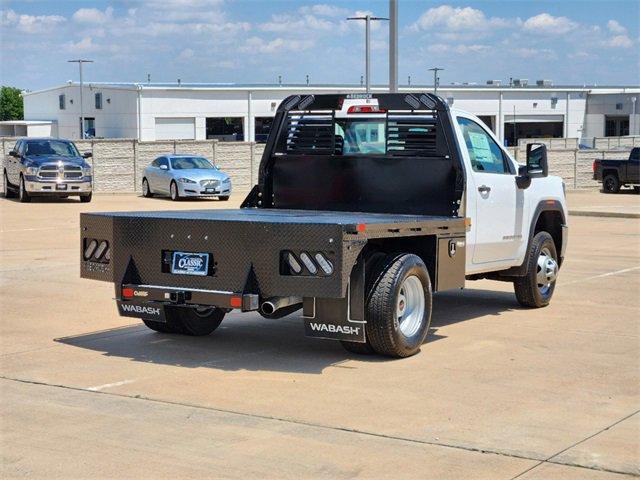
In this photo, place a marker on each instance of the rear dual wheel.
(398, 308)
(192, 321)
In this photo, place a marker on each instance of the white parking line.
(108, 385)
(602, 275)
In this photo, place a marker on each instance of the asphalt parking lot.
(497, 392)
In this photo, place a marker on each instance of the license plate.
(61, 186)
(210, 190)
(185, 263)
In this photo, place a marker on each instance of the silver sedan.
(181, 176)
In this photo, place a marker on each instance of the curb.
(585, 213)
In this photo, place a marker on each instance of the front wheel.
(535, 289)
(611, 184)
(398, 310)
(223, 198)
(85, 198)
(175, 195)
(8, 193)
(23, 195)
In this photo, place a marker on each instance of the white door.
(498, 225)
(175, 128)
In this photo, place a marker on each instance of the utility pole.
(515, 139)
(435, 71)
(393, 46)
(367, 62)
(80, 62)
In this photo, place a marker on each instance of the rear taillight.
(594, 166)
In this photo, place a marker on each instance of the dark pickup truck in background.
(618, 173)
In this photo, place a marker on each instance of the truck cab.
(366, 204)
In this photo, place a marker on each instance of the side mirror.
(87, 155)
(13, 153)
(164, 167)
(537, 165)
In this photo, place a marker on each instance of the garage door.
(175, 128)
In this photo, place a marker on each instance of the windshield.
(361, 136)
(187, 163)
(51, 147)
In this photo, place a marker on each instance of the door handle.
(484, 189)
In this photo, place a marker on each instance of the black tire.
(160, 327)
(528, 291)
(85, 198)
(223, 198)
(23, 195)
(173, 191)
(146, 189)
(385, 297)
(636, 189)
(610, 183)
(7, 192)
(198, 323)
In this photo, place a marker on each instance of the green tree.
(11, 107)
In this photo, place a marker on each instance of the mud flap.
(338, 318)
(145, 311)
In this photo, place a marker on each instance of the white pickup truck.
(365, 206)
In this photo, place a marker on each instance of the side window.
(156, 163)
(635, 154)
(485, 154)
(18, 147)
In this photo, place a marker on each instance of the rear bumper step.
(180, 296)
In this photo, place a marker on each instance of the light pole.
(80, 62)
(367, 19)
(393, 46)
(435, 71)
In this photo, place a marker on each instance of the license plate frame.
(61, 186)
(190, 263)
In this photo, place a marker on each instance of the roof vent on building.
(494, 82)
(520, 82)
(544, 83)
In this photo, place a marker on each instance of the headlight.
(186, 180)
(32, 170)
(226, 180)
(86, 171)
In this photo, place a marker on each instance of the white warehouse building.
(243, 112)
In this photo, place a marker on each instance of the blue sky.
(254, 41)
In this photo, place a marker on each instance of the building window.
(619, 106)
(262, 128)
(227, 129)
(62, 101)
(616, 126)
(89, 127)
(98, 101)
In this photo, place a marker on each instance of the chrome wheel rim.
(145, 188)
(174, 191)
(547, 271)
(22, 188)
(410, 306)
(6, 186)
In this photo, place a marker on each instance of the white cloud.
(82, 46)
(548, 24)
(615, 27)
(618, 41)
(324, 10)
(461, 49)
(30, 23)
(277, 45)
(296, 24)
(93, 15)
(186, 54)
(457, 19)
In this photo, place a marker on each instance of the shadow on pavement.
(250, 342)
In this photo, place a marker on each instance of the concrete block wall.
(118, 164)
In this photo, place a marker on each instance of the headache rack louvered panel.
(309, 133)
(411, 135)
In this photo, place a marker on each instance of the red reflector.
(365, 109)
(235, 302)
(127, 292)
(361, 227)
